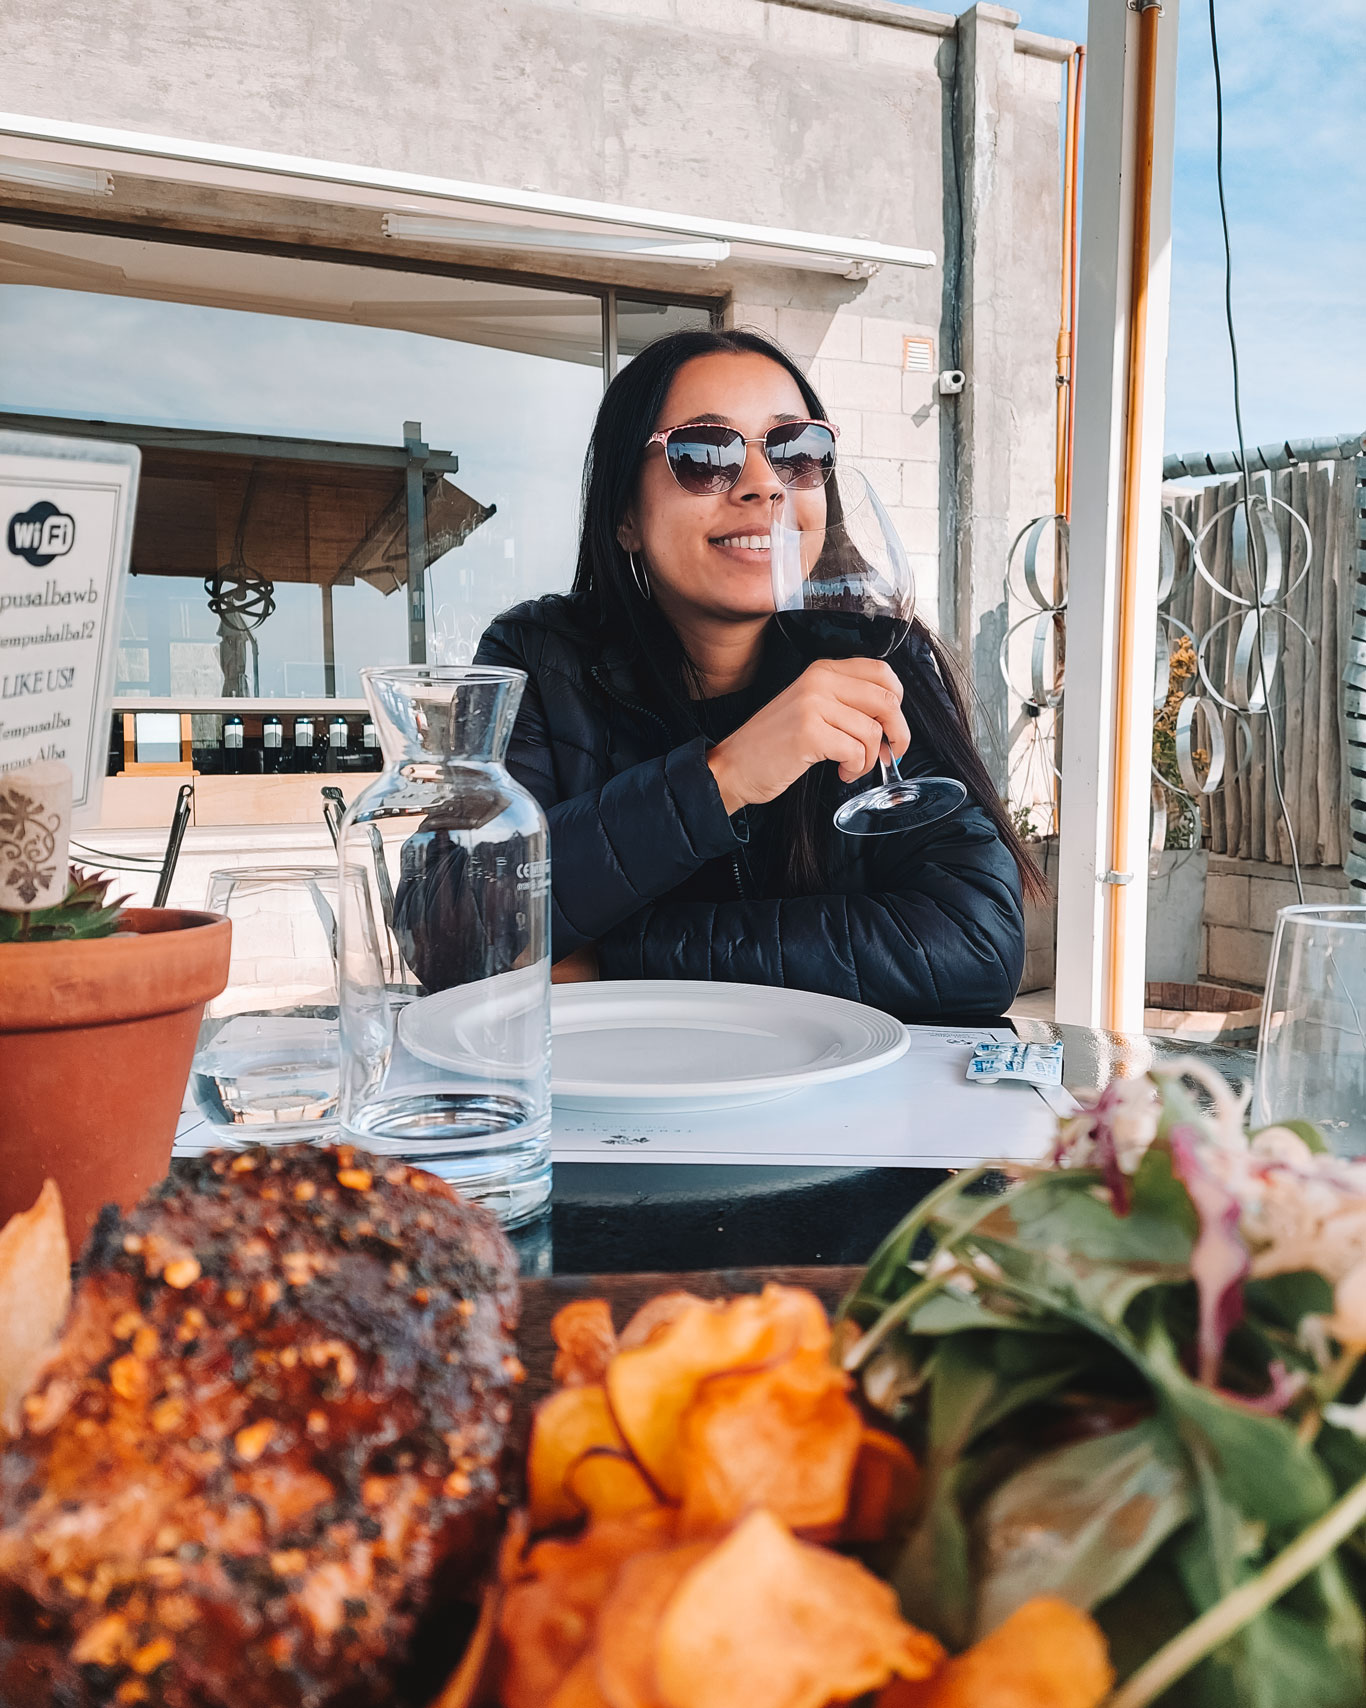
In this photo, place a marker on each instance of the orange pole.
(1146, 108)
(1074, 152)
(1064, 377)
(1066, 350)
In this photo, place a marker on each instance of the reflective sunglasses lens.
(801, 454)
(706, 459)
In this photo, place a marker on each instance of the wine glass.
(266, 1067)
(1311, 1053)
(843, 588)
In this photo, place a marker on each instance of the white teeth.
(747, 542)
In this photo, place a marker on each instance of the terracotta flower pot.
(96, 1040)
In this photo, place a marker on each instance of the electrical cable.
(116, 863)
(1273, 738)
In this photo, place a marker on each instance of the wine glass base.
(905, 804)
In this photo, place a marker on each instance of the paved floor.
(1033, 1005)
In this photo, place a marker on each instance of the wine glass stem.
(889, 764)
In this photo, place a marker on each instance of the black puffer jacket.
(923, 924)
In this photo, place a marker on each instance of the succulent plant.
(84, 911)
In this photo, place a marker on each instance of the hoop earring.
(640, 578)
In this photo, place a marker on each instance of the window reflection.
(329, 355)
(640, 323)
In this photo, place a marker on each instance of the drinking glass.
(265, 1067)
(1311, 1054)
(843, 588)
(445, 942)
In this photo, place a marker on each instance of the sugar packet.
(1029, 1064)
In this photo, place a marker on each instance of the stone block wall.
(1242, 899)
(889, 419)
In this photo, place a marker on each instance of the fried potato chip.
(35, 1294)
(586, 1339)
(567, 1424)
(883, 1491)
(766, 1621)
(547, 1617)
(1048, 1654)
(605, 1484)
(651, 1386)
(785, 1438)
(629, 1624)
(655, 1314)
(580, 1686)
(468, 1684)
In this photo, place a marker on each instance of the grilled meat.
(275, 1418)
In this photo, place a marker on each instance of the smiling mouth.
(743, 542)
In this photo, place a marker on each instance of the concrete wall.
(823, 115)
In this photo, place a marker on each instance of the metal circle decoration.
(1041, 693)
(1194, 783)
(1257, 655)
(1162, 656)
(240, 596)
(1166, 561)
(1031, 536)
(1273, 557)
(1157, 831)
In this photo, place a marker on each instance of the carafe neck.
(443, 714)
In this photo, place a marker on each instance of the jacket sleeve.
(940, 934)
(623, 845)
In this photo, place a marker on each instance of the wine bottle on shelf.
(234, 747)
(305, 748)
(338, 741)
(272, 746)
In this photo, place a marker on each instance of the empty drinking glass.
(1311, 1054)
(265, 1069)
(445, 942)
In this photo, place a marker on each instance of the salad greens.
(1133, 1379)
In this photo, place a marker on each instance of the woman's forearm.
(912, 954)
(617, 848)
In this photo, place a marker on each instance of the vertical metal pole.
(609, 338)
(329, 644)
(1116, 517)
(417, 542)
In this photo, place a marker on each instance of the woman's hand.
(838, 709)
(578, 968)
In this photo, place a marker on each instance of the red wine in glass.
(826, 633)
(843, 588)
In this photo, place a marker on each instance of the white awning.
(429, 209)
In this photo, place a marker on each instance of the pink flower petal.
(1219, 1259)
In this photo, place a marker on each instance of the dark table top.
(615, 1218)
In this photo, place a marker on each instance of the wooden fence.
(1243, 818)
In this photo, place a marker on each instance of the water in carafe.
(445, 942)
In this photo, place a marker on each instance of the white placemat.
(918, 1113)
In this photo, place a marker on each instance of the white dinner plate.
(663, 1044)
(499, 1020)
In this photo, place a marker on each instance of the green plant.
(1183, 818)
(1134, 1379)
(84, 911)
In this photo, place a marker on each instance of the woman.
(689, 764)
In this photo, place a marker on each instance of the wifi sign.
(41, 533)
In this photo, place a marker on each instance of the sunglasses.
(705, 458)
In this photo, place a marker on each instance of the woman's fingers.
(875, 700)
(837, 709)
(855, 741)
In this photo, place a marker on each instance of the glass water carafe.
(445, 942)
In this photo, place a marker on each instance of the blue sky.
(1295, 174)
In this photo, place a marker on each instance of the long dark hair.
(626, 417)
